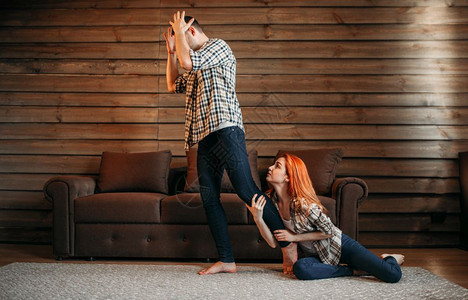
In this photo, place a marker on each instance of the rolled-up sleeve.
(320, 219)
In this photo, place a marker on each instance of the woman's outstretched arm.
(257, 212)
(288, 236)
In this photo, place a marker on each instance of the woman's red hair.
(300, 185)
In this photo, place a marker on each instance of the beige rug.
(108, 281)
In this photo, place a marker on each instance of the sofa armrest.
(62, 192)
(349, 193)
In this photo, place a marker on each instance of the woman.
(324, 245)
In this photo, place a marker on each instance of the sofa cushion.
(193, 186)
(187, 208)
(119, 208)
(134, 172)
(322, 165)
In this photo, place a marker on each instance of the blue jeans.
(220, 150)
(356, 257)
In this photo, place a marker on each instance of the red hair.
(300, 185)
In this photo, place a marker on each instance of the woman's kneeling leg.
(309, 268)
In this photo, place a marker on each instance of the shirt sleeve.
(181, 83)
(318, 218)
(213, 55)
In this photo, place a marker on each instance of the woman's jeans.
(356, 257)
(220, 150)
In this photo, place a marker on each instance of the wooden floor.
(449, 263)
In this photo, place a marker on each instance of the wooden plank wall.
(386, 80)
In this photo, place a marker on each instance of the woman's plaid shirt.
(308, 219)
(210, 91)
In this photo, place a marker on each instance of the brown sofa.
(122, 214)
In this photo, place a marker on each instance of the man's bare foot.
(289, 258)
(399, 258)
(219, 267)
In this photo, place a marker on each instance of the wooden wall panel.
(245, 99)
(385, 80)
(351, 115)
(246, 66)
(301, 32)
(335, 132)
(237, 15)
(24, 200)
(245, 83)
(226, 3)
(245, 49)
(104, 131)
(334, 99)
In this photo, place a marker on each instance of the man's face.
(190, 37)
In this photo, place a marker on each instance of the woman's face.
(277, 172)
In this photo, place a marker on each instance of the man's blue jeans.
(220, 150)
(356, 257)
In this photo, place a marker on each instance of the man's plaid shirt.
(210, 91)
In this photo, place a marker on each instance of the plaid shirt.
(310, 219)
(210, 91)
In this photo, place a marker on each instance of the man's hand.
(179, 26)
(170, 41)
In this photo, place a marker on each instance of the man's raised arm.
(183, 49)
(172, 71)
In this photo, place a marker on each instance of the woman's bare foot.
(219, 267)
(289, 258)
(399, 257)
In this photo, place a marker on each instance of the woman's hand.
(257, 207)
(170, 41)
(284, 235)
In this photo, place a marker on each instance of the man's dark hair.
(195, 24)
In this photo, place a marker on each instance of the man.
(213, 120)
